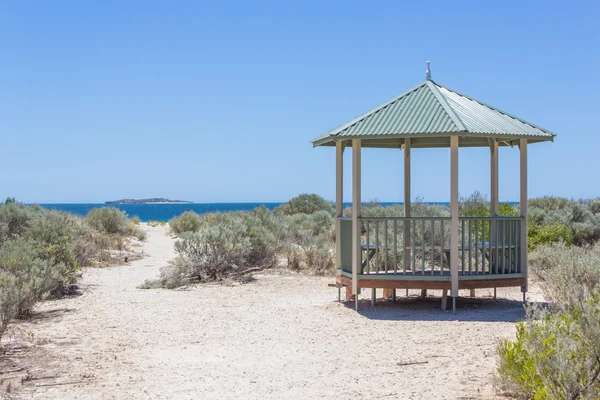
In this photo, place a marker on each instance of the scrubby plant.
(319, 256)
(135, 220)
(41, 252)
(305, 204)
(189, 221)
(548, 234)
(570, 274)
(580, 217)
(556, 353)
(476, 205)
(156, 223)
(109, 220)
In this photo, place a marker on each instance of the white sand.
(281, 336)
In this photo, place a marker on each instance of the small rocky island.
(155, 200)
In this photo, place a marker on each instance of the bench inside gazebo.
(417, 252)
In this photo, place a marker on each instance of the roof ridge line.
(499, 110)
(372, 111)
(442, 100)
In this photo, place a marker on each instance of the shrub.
(554, 355)
(14, 220)
(580, 217)
(549, 234)
(139, 233)
(28, 274)
(549, 203)
(305, 204)
(156, 223)
(569, 274)
(109, 220)
(135, 220)
(319, 256)
(189, 221)
(215, 252)
(476, 205)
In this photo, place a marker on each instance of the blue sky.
(218, 101)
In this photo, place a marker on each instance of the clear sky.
(218, 101)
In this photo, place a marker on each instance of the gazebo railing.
(487, 246)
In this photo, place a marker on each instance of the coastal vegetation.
(42, 252)
(556, 352)
(300, 234)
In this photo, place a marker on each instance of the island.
(156, 200)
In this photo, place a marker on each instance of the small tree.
(305, 204)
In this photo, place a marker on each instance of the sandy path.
(277, 337)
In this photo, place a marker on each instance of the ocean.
(164, 212)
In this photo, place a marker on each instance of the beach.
(282, 335)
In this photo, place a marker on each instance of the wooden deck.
(379, 281)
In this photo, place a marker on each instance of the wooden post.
(356, 232)
(454, 218)
(339, 201)
(493, 193)
(388, 293)
(494, 177)
(444, 299)
(406, 203)
(523, 201)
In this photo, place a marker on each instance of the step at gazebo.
(417, 252)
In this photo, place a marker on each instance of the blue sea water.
(160, 212)
(164, 212)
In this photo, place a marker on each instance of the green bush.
(555, 355)
(109, 220)
(476, 205)
(41, 252)
(580, 217)
(305, 204)
(189, 221)
(549, 234)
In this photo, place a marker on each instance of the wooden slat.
(470, 244)
(395, 246)
(385, 225)
(477, 239)
(377, 246)
(412, 242)
(423, 247)
(463, 244)
(432, 245)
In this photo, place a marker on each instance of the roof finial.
(428, 74)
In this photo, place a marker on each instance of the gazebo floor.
(418, 281)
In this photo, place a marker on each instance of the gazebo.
(422, 252)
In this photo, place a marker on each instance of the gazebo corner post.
(454, 218)
(493, 189)
(356, 228)
(339, 201)
(493, 177)
(406, 238)
(523, 204)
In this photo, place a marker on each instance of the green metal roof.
(430, 114)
